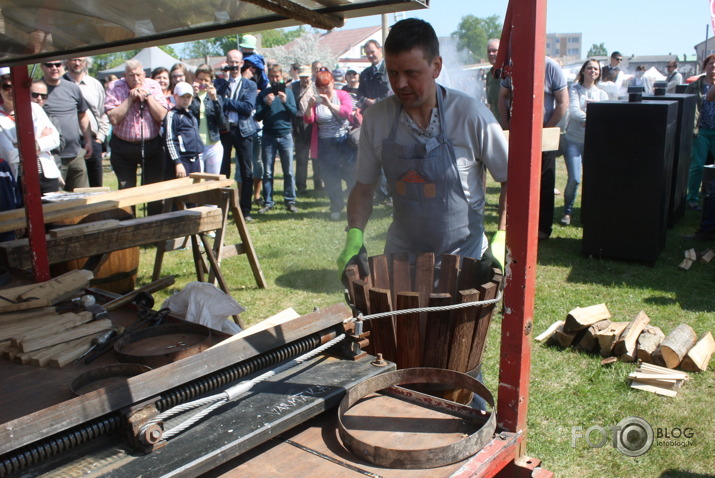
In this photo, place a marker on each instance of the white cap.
(183, 88)
(5, 70)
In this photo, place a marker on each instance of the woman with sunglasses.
(47, 137)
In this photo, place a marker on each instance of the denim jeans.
(337, 164)
(702, 143)
(284, 146)
(572, 156)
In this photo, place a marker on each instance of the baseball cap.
(183, 88)
(338, 74)
(248, 41)
(305, 71)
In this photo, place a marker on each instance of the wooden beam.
(130, 233)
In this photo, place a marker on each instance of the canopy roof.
(33, 30)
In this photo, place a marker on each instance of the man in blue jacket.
(239, 102)
(276, 108)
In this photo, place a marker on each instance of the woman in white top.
(580, 95)
(47, 137)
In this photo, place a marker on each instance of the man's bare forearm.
(360, 205)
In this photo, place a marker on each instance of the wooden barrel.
(451, 339)
(119, 272)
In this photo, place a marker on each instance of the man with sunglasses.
(611, 71)
(67, 106)
(94, 94)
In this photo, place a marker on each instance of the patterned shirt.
(138, 122)
(707, 110)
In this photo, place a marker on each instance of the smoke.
(455, 76)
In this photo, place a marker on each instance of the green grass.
(297, 253)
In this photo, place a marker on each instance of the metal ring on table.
(429, 457)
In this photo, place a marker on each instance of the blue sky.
(638, 27)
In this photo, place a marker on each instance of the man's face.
(412, 77)
(275, 77)
(204, 80)
(352, 78)
(373, 53)
(492, 51)
(38, 93)
(76, 65)
(670, 66)
(52, 71)
(135, 77)
(616, 61)
(234, 58)
(315, 67)
(304, 81)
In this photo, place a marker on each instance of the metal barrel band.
(423, 458)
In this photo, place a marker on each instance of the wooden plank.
(78, 229)
(466, 274)
(382, 330)
(486, 292)
(19, 317)
(436, 345)
(465, 321)
(409, 339)
(448, 275)
(549, 331)
(95, 189)
(699, 356)
(59, 288)
(136, 389)
(60, 210)
(40, 358)
(34, 343)
(625, 346)
(362, 301)
(424, 282)
(71, 353)
(133, 232)
(400, 279)
(379, 272)
(52, 327)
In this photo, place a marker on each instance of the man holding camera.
(239, 102)
(276, 107)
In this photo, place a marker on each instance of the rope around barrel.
(440, 308)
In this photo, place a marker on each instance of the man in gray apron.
(434, 145)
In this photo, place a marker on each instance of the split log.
(625, 346)
(677, 344)
(648, 342)
(581, 318)
(691, 254)
(563, 338)
(706, 256)
(607, 337)
(698, 357)
(546, 334)
(589, 340)
(685, 264)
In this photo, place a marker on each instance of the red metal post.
(30, 175)
(527, 48)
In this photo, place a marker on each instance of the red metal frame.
(30, 175)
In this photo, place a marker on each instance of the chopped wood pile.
(32, 332)
(591, 329)
(691, 257)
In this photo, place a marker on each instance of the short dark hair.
(615, 54)
(411, 33)
(205, 69)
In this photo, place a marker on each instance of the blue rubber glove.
(354, 252)
(498, 246)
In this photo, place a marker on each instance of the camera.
(230, 68)
(278, 87)
(203, 86)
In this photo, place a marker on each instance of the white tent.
(150, 58)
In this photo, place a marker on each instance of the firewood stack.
(590, 329)
(451, 339)
(32, 332)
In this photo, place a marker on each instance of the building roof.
(339, 42)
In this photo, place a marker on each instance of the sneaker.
(247, 219)
(557, 192)
(292, 207)
(566, 220)
(694, 206)
(259, 202)
(334, 216)
(265, 209)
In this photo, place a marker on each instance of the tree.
(597, 50)
(473, 33)
(219, 46)
(304, 50)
